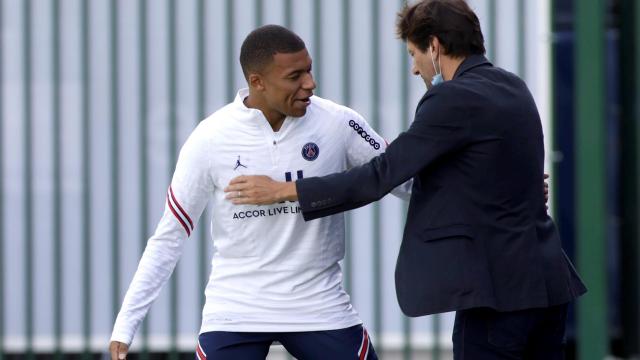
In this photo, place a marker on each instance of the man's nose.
(309, 83)
(414, 69)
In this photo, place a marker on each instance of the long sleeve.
(187, 196)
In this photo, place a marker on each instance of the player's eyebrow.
(298, 71)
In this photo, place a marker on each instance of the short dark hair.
(452, 21)
(259, 47)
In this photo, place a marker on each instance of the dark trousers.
(484, 333)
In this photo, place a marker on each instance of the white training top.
(271, 271)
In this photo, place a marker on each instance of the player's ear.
(256, 81)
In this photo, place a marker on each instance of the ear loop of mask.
(437, 78)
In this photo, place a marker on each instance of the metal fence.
(97, 97)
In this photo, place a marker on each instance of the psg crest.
(310, 151)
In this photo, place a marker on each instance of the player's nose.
(309, 83)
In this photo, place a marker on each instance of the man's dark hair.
(452, 21)
(263, 43)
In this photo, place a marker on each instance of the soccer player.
(273, 276)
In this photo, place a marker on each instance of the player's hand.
(259, 190)
(118, 350)
(545, 188)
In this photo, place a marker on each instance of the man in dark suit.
(478, 239)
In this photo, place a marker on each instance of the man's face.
(287, 84)
(422, 64)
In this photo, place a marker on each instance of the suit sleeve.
(187, 196)
(440, 128)
(363, 143)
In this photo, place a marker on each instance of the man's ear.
(436, 48)
(256, 82)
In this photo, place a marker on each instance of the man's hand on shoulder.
(259, 190)
(118, 350)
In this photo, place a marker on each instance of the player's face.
(422, 64)
(288, 84)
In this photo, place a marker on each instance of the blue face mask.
(437, 78)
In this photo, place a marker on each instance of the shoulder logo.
(239, 164)
(310, 151)
(363, 134)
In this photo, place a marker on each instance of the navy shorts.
(350, 343)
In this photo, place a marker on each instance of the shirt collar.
(239, 100)
(253, 115)
(471, 62)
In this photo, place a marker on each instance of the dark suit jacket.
(477, 231)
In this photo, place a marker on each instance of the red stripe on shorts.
(200, 353)
(364, 349)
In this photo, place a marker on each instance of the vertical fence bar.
(229, 50)
(173, 135)
(201, 79)
(435, 327)
(375, 123)
(28, 176)
(346, 100)
(407, 348)
(492, 48)
(57, 181)
(590, 166)
(143, 151)
(259, 14)
(115, 160)
(2, 142)
(86, 179)
(522, 38)
(630, 153)
(287, 13)
(317, 43)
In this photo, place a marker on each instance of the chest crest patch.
(310, 151)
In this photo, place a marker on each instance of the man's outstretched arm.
(262, 190)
